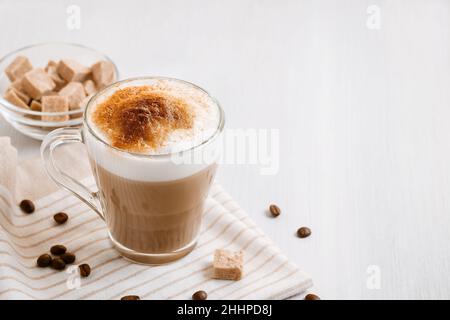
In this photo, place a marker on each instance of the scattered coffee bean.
(57, 264)
(131, 297)
(200, 295)
(274, 210)
(312, 296)
(44, 260)
(68, 257)
(85, 270)
(58, 250)
(61, 217)
(27, 206)
(303, 232)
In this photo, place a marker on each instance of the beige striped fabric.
(268, 274)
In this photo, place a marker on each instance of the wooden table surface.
(359, 92)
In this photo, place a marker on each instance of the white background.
(363, 116)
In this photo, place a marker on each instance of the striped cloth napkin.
(268, 274)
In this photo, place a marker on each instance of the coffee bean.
(44, 260)
(85, 270)
(200, 295)
(57, 264)
(68, 257)
(131, 297)
(61, 217)
(27, 206)
(303, 232)
(312, 296)
(274, 210)
(58, 250)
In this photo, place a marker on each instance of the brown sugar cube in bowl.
(74, 92)
(81, 106)
(18, 90)
(23, 96)
(17, 85)
(51, 64)
(85, 101)
(18, 67)
(36, 83)
(53, 73)
(35, 105)
(12, 97)
(50, 93)
(55, 104)
(71, 70)
(103, 73)
(228, 265)
(89, 87)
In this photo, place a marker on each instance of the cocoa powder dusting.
(136, 118)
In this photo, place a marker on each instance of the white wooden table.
(362, 106)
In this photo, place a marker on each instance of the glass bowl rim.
(10, 107)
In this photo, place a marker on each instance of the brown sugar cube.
(51, 64)
(23, 96)
(50, 93)
(17, 85)
(55, 104)
(35, 105)
(103, 73)
(59, 82)
(89, 87)
(37, 82)
(18, 67)
(71, 70)
(12, 96)
(74, 92)
(81, 106)
(53, 73)
(85, 101)
(228, 265)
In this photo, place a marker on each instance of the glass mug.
(152, 204)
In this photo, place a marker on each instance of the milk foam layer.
(164, 163)
(203, 108)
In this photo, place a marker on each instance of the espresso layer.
(136, 118)
(153, 217)
(154, 116)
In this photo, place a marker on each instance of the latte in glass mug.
(153, 145)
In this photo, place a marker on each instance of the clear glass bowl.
(28, 121)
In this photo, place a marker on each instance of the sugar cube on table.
(228, 265)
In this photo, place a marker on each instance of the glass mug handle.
(58, 138)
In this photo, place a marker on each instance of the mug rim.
(209, 140)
